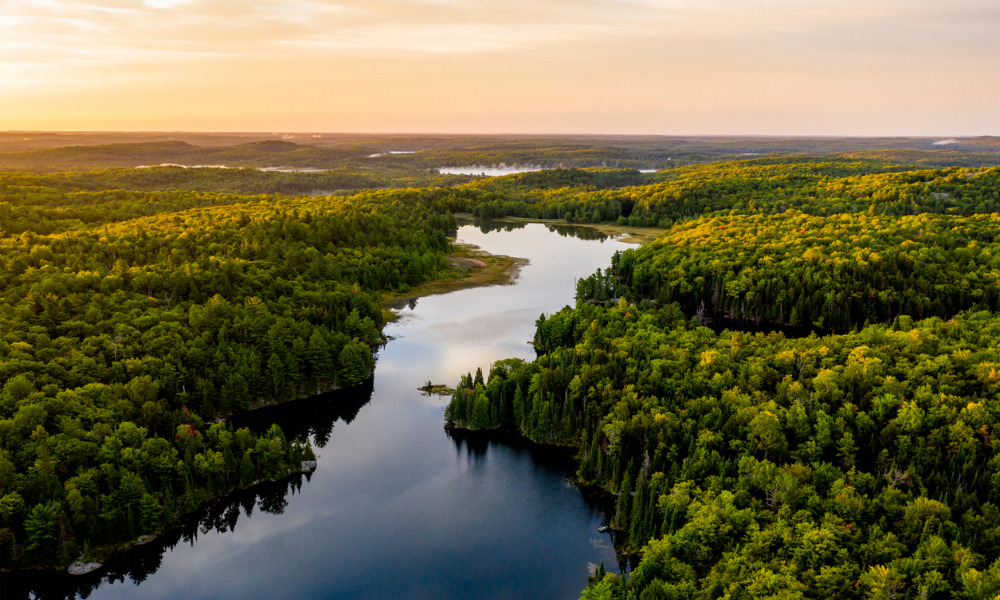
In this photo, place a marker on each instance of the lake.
(491, 171)
(398, 508)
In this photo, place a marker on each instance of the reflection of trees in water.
(139, 563)
(308, 418)
(401, 303)
(269, 497)
(475, 445)
(577, 231)
(487, 226)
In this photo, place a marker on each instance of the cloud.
(251, 26)
(164, 4)
(567, 58)
(255, 28)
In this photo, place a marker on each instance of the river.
(398, 508)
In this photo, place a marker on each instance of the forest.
(134, 322)
(398, 154)
(791, 393)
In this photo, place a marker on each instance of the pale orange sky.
(806, 67)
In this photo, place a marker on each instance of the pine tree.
(480, 412)
(624, 505)
(519, 408)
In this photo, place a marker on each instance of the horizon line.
(271, 132)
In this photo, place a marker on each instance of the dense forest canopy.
(856, 461)
(133, 319)
(141, 307)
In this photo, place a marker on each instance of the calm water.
(398, 508)
(490, 170)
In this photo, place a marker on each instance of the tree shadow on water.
(310, 418)
(141, 561)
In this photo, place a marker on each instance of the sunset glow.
(842, 67)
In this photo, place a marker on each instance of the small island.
(438, 389)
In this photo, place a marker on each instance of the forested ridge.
(53, 151)
(820, 186)
(74, 188)
(132, 320)
(858, 461)
(830, 273)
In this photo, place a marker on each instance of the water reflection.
(310, 418)
(397, 508)
(489, 170)
(474, 446)
(220, 516)
(581, 232)
(307, 419)
(489, 226)
(401, 303)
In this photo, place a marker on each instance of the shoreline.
(470, 267)
(103, 555)
(473, 267)
(566, 453)
(624, 233)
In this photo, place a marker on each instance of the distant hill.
(54, 151)
(258, 154)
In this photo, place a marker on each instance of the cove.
(397, 508)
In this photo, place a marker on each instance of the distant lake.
(276, 169)
(490, 171)
(500, 170)
(390, 153)
(293, 169)
(398, 508)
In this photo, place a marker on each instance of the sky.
(670, 67)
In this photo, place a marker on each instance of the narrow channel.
(398, 508)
